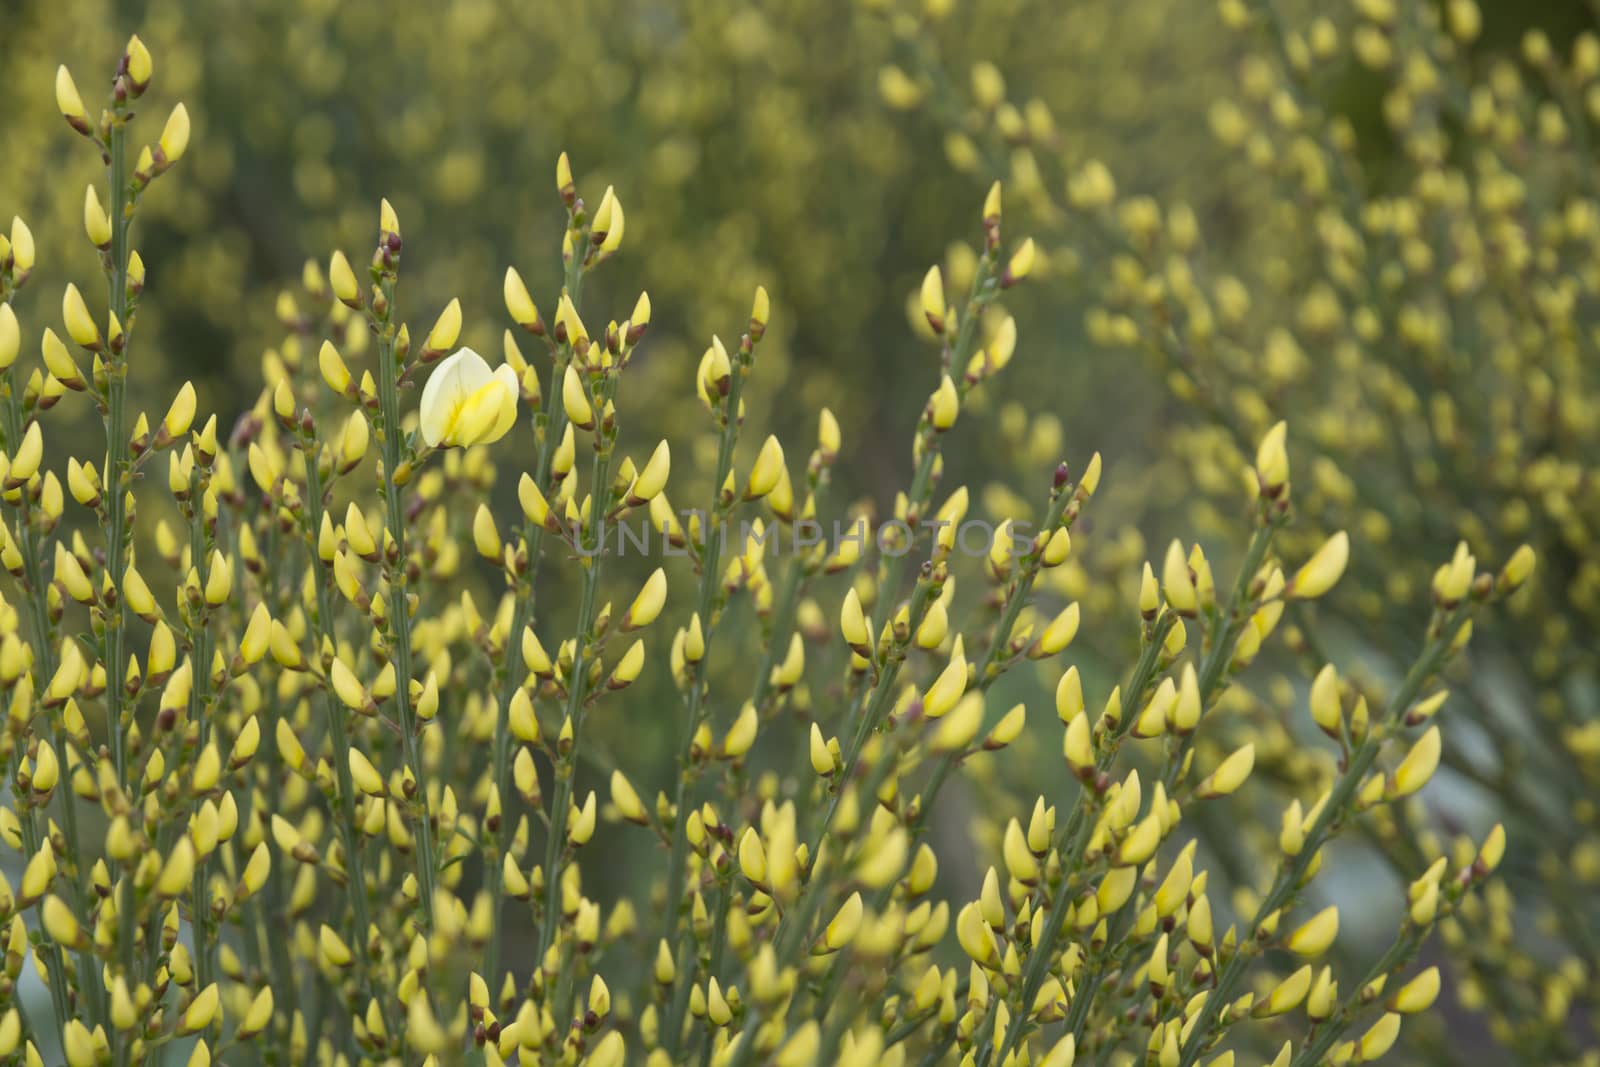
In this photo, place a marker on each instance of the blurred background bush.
(1276, 173)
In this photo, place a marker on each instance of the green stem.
(399, 614)
(339, 731)
(548, 431)
(522, 616)
(710, 584)
(118, 483)
(719, 937)
(577, 682)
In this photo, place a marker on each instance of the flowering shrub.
(1412, 288)
(298, 804)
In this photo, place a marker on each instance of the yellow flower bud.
(822, 760)
(844, 926)
(1062, 629)
(1453, 579)
(1416, 995)
(575, 400)
(828, 437)
(78, 1044)
(1230, 773)
(245, 744)
(37, 875)
(947, 688)
(609, 222)
(68, 102)
(1492, 851)
(124, 1015)
(80, 325)
(178, 871)
(484, 535)
(768, 470)
(346, 686)
(933, 305)
(626, 800)
(256, 870)
(1379, 1038)
(219, 578)
(742, 734)
(518, 302)
(207, 769)
(1008, 729)
(1288, 994)
(944, 405)
(22, 249)
(1322, 570)
(1019, 859)
(1062, 1054)
(650, 481)
(628, 667)
(1417, 767)
(96, 223)
(140, 65)
(1314, 936)
(1077, 745)
(365, 775)
(1186, 709)
(1425, 908)
(11, 337)
(1272, 460)
(1516, 572)
(991, 204)
(1326, 709)
(285, 650)
(1069, 696)
(1021, 264)
(534, 506)
(60, 923)
(331, 948)
(175, 135)
(69, 575)
(46, 769)
(753, 858)
(802, 1047)
(258, 1016)
(974, 935)
(854, 625)
(956, 731)
(343, 280)
(647, 605)
(1141, 842)
(581, 821)
(333, 368)
(1177, 582)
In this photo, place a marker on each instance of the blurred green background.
(748, 143)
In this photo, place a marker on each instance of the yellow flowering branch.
(729, 413)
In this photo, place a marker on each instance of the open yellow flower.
(465, 403)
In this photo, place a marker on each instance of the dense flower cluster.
(288, 779)
(1416, 293)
